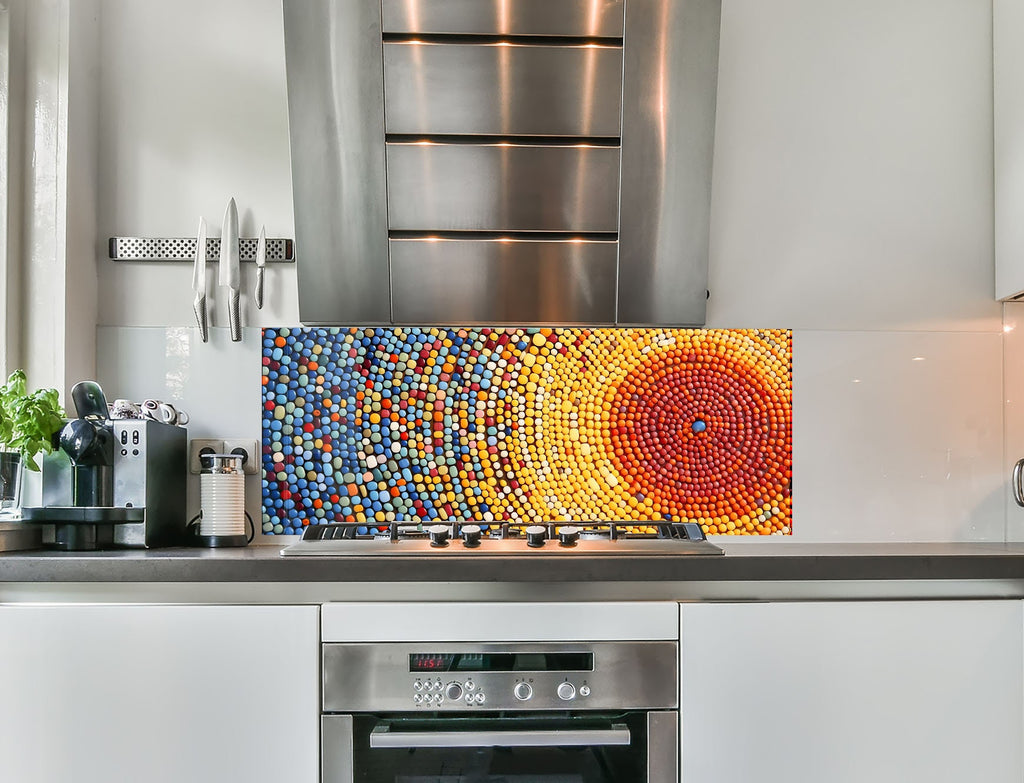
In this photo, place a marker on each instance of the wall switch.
(250, 451)
(198, 446)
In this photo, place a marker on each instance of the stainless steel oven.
(518, 712)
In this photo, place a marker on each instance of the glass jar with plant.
(28, 423)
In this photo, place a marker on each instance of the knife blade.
(261, 262)
(229, 272)
(199, 281)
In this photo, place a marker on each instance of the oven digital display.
(502, 662)
(430, 662)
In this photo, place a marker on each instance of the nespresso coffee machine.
(114, 482)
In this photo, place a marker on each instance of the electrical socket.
(197, 446)
(250, 450)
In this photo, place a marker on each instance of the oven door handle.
(383, 737)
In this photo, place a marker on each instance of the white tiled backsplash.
(897, 436)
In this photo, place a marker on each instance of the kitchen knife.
(261, 262)
(229, 274)
(199, 281)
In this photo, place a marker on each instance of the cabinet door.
(852, 692)
(1008, 127)
(162, 694)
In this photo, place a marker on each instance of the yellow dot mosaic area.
(373, 425)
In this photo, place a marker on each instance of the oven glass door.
(590, 748)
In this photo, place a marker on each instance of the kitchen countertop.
(749, 570)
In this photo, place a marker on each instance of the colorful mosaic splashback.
(522, 425)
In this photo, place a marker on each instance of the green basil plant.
(28, 421)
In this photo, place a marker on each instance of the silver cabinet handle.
(383, 737)
(1018, 487)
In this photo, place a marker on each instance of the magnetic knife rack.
(279, 251)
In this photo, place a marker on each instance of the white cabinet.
(858, 692)
(162, 694)
(1008, 128)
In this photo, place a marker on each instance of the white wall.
(852, 203)
(193, 112)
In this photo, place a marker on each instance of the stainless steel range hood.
(502, 161)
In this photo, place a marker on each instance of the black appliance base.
(89, 515)
(219, 541)
(82, 528)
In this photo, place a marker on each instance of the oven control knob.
(438, 535)
(453, 692)
(535, 535)
(566, 691)
(470, 535)
(584, 690)
(522, 691)
(568, 535)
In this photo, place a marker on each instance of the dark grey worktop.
(748, 561)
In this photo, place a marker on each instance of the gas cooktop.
(471, 538)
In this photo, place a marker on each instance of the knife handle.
(199, 306)
(258, 293)
(235, 317)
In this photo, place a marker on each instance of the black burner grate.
(337, 531)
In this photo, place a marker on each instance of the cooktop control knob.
(453, 692)
(568, 535)
(438, 535)
(522, 691)
(566, 691)
(535, 535)
(470, 535)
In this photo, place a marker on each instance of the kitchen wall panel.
(897, 436)
(852, 200)
(913, 452)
